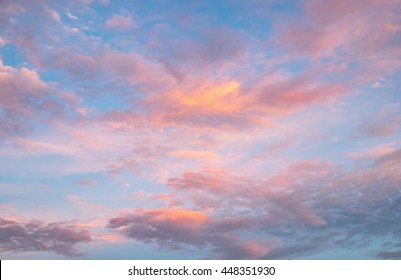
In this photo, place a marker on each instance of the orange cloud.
(110, 238)
(187, 218)
(212, 97)
(206, 155)
(179, 227)
(255, 249)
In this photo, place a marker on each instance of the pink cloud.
(119, 21)
(84, 205)
(26, 98)
(7, 207)
(110, 238)
(87, 182)
(389, 164)
(218, 190)
(186, 114)
(181, 227)
(384, 123)
(169, 200)
(344, 34)
(113, 66)
(202, 102)
(53, 14)
(287, 94)
(219, 47)
(373, 153)
(210, 180)
(235, 104)
(197, 155)
(274, 149)
(304, 194)
(327, 26)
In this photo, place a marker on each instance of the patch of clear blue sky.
(132, 250)
(294, 66)
(57, 182)
(191, 15)
(11, 56)
(111, 191)
(336, 253)
(13, 170)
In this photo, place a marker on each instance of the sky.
(259, 129)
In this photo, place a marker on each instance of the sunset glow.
(260, 129)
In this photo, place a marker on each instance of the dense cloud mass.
(59, 238)
(197, 129)
(310, 207)
(177, 227)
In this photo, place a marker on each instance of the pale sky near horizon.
(200, 129)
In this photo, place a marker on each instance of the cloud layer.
(33, 236)
(200, 129)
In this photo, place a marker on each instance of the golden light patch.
(187, 217)
(214, 98)
(110, 238)
(201, 155)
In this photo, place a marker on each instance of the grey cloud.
(37, 236)
(161, 227)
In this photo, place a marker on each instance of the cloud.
(274, 149)
(25, 98)
(293, 251)
(111, 66)
(292, 93)
(384, 123)
(388, 162)
(396, 255)
(203, 103)
(222, 191)
(169, 200)
(315, 204)
(53, 14)
(87, 182)
(175, 77)
(7, 207)
(209, 47)
(29, 38)
(180, 111)
(83, 204)
(239, 104)
(179, 227)
(199, 155)
(326, 27)
(341, 37)
(209, 181)
(71, 16)
(38, 236)
(167, 226)
(373, 153)
(119, 21)
(10, 8)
